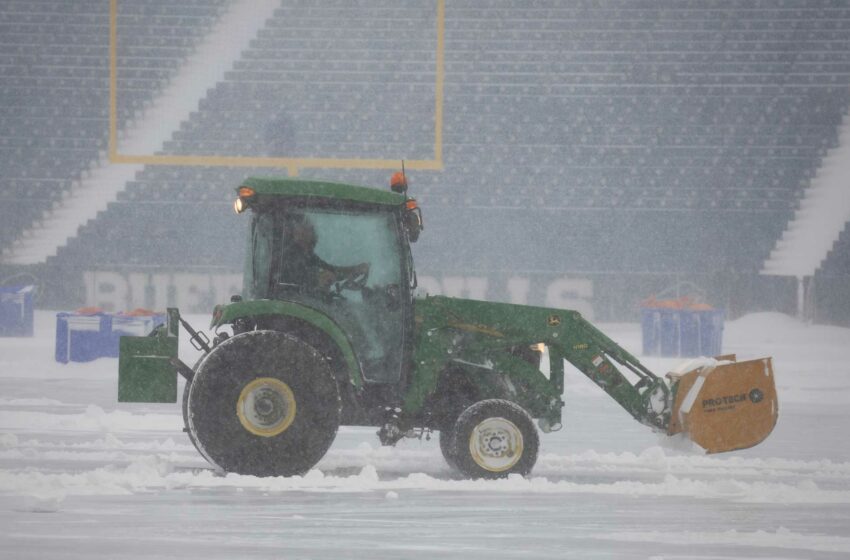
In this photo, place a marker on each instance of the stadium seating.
(54, 96)
(680, 132)
(838, 261)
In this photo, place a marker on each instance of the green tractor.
(328, 332)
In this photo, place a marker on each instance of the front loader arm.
(574, 339)
(454, 331)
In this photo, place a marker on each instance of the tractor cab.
(340, 250)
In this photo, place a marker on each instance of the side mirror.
(413, 223)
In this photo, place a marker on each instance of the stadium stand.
(54, 96)
(625, 136)
(830, 293)
(838, 261)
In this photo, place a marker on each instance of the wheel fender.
(224, 314)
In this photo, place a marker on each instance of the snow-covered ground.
(84, 477)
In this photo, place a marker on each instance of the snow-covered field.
(84, 477)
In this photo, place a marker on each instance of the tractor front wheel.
(447, 447)
(494, 438)
(263, 403)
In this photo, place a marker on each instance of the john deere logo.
(554, 320)
(756, 395)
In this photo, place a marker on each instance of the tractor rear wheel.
(186, 387)
(263, 403)
(494, 438)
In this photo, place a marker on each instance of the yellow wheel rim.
(266, 407)
(496, 444)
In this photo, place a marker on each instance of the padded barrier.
(16, 313)
(676, 328)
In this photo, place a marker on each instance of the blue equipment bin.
(670, 333)
(681, 332)
(650, 327)
(16, 315)
(689, 333)
(83, 338)
(711, 332)
(660, 328)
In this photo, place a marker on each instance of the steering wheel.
(355, 281)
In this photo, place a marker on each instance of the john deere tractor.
(328, 332)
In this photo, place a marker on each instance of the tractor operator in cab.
(301, 266)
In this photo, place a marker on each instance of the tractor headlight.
(241, 203)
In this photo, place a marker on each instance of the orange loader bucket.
(725, 406)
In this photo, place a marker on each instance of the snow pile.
(697, 363)
(781, 538)
(109, 441)
(389, 460)
(94, 419)
(31, 402)
(657, 460)
(158, 473)
(810, 362)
